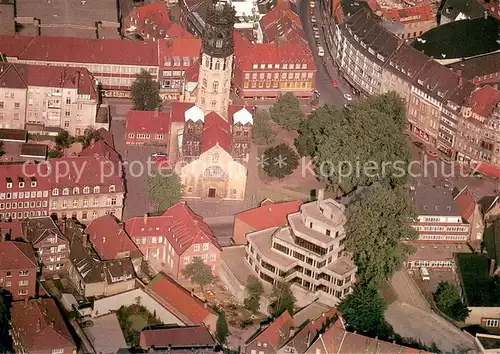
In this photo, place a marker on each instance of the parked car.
(315, 27)
(316, 34)
(348, 97)
(424, 273)
(419, 144)
(432, 154)
(321, 51)
(313, 19)
(159, 157)
(477, 175)
(334, 83)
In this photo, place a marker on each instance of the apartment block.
(47, 97)
(18, 269)
(309, 252)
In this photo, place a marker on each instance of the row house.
(48, 97)
(38, 327)
(479, 125)
(481, 70)
(309, 252)
(24, 191)
(114, 63)
(50, 245)
(268, 70)
(18, 269)
(282, 23)
(149, 21)
(363, 47)
(143, 127)
(170, 242)
(410, 22)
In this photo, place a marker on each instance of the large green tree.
(145, 92)
(63, 140)
(359, 146)
(363, 310)
(280, 161)
(198, 272)
(262, 131)
(165, 189)
(286, 112)
(282, 299)
(221, 329)
(90, 135)
(376, 224)
(448, 300)
(254, 291)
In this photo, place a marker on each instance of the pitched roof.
(80, 50)
(282, 23)
(177, 110)
(13, 228)
(465, 203)
(155, 12)
(437, 80)
(411, 14)
(269, 214)
(109, 238)
(185, 50)
(216, 131)
(16, 255)
(177, 337)
(277, 333)
(477, 67)
(431, 200)
(179, 224)
(40, 326)
(183, 305)
(484, 100)
(177, 31)
(36, 229)
(148, 122)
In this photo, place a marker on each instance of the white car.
(348, 97)
(321, 51)
(315, 27)
(313, 19)
(316, 34)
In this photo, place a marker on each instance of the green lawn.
(473, 269)
(133, 319)
(138, 322)
(461, 39)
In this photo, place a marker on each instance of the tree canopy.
(5, 338)
(89, 136)
(262, 131)
(286, 112)
(448, 300)
(63, 140)
(280, 161)
(363, 310)
(221, 329)
(145, 92)
(165, 189)
(282, 299)
(2, 151)
(198, 272)
(376, 224)
(369, 137)
(254, 290)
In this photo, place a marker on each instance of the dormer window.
(55, 191)
(65, 191)
(20, 180)
(112, 188)
(21, 184)
(97, 189)
(76, 190)
(86, 190)
(33, 181)
(218, 43)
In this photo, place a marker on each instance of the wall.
(240, 229)
(211, 251)
(113, 303)
(14, 283)
(89, 211)
(231, 282)
(477, 313)
(119, 287)
(14, 118)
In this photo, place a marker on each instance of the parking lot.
(437, 276)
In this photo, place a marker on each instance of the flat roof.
(434, 200)
(263, 241)
(341, 266)
(18, 135)
(436, 251)
(7, 23)
(34, 150)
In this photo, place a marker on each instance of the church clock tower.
(216, 65)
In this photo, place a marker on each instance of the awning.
(488, 169)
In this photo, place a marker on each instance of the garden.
(133, 319)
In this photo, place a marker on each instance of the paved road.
(407, 291)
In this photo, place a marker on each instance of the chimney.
(52, 323)
(321, 194)
(38, 325)
(145, 220)
(292, 332)
(85, 239)
(156, 113)
(205, 304)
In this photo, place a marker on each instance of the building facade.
(144, 127)
(308, 253)
(18, 269)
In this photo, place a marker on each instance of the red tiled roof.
(40, 326)
(80, 50)
(177, 31)
(411, 14)
(465, 203)
(277, 333)
(193, 72)
(148, 122)
(488, 169)
(16, 255)
(269, 215)
(110, 239)
(282, 23)
(101, 148)
(156, 12)
(180, 225)
(185, 337)
(176, 298)
(13, 228)
(181, 48)
(177, 110)
(216, 130)
(25, 171)
(484, 100)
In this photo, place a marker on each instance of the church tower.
(216, 65)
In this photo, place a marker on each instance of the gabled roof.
(188, 308)
(177, 31)
(179, 224)
(484, 100)
(17, 255)
(13, 228)
(431, 200)
(109, 238)
(188, 337)
(488, 203)
(148, 122)
(465, 203)
(40, 326)
(216, 131)
(269, 214)
(243, 117)
(36, 229)
(276, 334)
(194, 114)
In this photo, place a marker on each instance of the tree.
(5, 338)
(145, 92)
(2, 151)
(221, 329)
(89, 136)
(280, 161)
(368, 138)
(165, 190)
(376, 224)
(286, 112)
(254, 290)
(282, 299)
(54, 153)
(448, 300)
(363, 310)
(63, 140)
(198, 272)
(262, 132)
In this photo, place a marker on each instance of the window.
(212, 257)
(491, 323)
(8, 274)
(216, 86)
(84, 215)
(85, 203)
(23, 273)
(214, 172)
(97, 189)
(57, 351)
(96, 202)
(76, 190)
(23, 283)
(86, 190)
(197, 247)
(205, 247)
(23, 292)
(215, 157)
(55, 191)
(75, 203)
(65, 191)
(186, 260)
(112, 188)
(7, 284)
